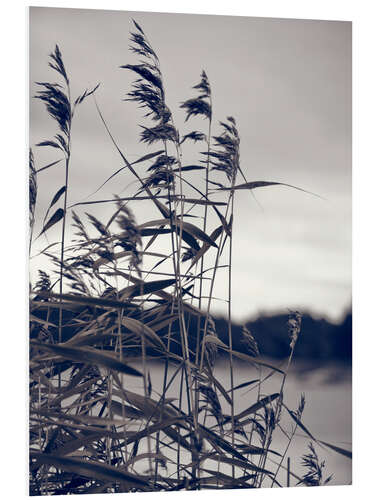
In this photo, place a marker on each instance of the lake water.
(327, 414)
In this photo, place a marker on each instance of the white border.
(13, 224)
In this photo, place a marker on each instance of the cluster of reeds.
(101, 317)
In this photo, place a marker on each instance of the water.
(327, 414)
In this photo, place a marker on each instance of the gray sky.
(287, 83)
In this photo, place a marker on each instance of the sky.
(287, 83)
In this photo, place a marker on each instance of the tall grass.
(99, 322)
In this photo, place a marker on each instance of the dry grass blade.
(55, 199)
(225, 480)
(94, 425)
(50, 165)
(299, 423)
(148, 156)
(142, 288)
(216, 440)
(160, 324)
(146, 288)
(56, 217)
(77, 299)
(255, 361)
(337, 449)
(257, 406)
(213, 380)
(189, 168)
(187, 226)
(245, 384)
(90, 356)
(165, 426)
(258, 184)
(90, 469)
(214, 236)
(141, 329)
(117, 256)
(196, 201)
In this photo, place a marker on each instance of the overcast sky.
(287, 83)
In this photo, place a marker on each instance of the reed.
(123, 296)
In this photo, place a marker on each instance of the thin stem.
(230, 328)
(201, 278)
(263, 458)
(67, 162)
(283, 457)
(63, 241)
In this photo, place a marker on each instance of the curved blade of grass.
(90, 356)
(55, 199)
(112, 200)
(144, 288)
(56, 217)
(151, 409)
(257, 406)
(74, 444)
(153, 232)
(255, 361)
(245, 357)
(163, 210)
(87, 301)
(148, 156)
(187, 226)
(339, 450)
(299, 423)
(86, 468)
(164, 425)
(117, 256)
(256, 450)
(197, 201)
(89, 339)
(162, 323)
(225, 480)
(141, 329)
(258, 184)
(189, 167)
(218, 385)
(214, 236)
(219, 441)
(203, 196)
(67, 392)
(177, 438)
(244, 384)
(44, 249)
(188, 238)
(131, 291)
(49, 165)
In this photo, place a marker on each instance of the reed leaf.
(187, 226)
(338, 449)
(94, 470)
(257, 406)
(89, 356)
(56, 217)
(145, 331)
(258, 184)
